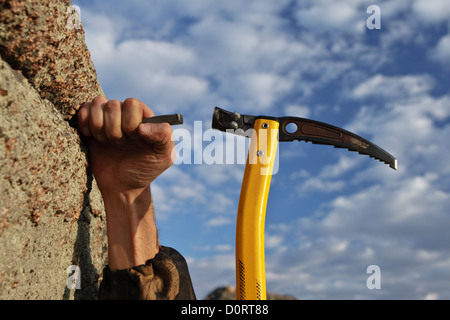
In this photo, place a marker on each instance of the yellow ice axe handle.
(250, 264)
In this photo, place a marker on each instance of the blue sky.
(331, 213)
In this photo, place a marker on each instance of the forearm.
(131, 228)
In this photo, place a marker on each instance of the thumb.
(159, 135)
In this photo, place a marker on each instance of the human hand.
(125, 154)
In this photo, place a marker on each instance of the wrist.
(131, 228)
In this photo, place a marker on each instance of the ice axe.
(265, 133)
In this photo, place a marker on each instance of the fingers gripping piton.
(112, 113)
(133, 111)
(116, 121)
(96, 118)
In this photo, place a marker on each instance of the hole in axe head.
(291, 127)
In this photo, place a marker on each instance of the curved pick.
(323, 133)
(304, 130)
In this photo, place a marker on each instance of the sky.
(331, 213)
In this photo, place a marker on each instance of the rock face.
(42, 39)
(229, 293)
(52, 220)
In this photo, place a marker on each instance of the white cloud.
(406, 127)
(157, 72)
(261, 90)
(343, 165)
(344, 16)
(211, 272)
(297, 111)
(392, 8)
(188, 186)
(393, 87)
(219, 221)
(317, 184)
(220, 175)
(431, 296)
(228, 44)
(175, 187)
(391, 211)
(221, 203)
(101, 34)
(398, 32)
(327, 180)
(158, 56)
(223, 248)
(432, 11)
(273, 241)
(441, 52)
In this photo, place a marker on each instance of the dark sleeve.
(165, 277)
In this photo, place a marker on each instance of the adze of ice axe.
(265, 132)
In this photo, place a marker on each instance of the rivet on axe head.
(234, 125)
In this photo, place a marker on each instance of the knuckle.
(85, 106)
(131, 102)
(112, 105)
(83, 113)
(99, 99)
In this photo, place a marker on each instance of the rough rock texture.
(229, 293)
(51, 213)
(38, 38)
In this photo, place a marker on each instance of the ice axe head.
(294, 128)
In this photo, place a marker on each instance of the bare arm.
(126, 157)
